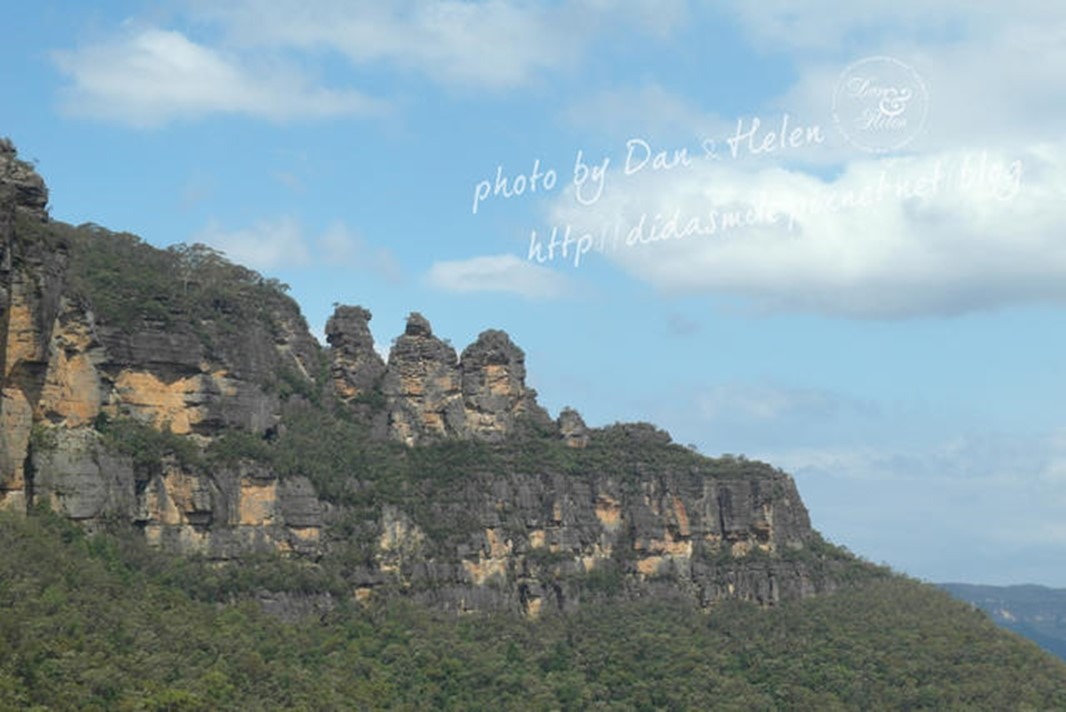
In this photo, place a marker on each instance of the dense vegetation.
(99, 623)
(1037, 612)
(129, 282)
(103, 622)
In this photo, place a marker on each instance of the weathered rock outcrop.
(356, 368)
(27, 188)
(536, 542)
(163, 409)
(427, 392)
(422, 386)
(572, 428)
(225, 514)
(31, 285)
(63, 369)
(495, 395)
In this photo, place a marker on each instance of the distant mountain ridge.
(1037, 612)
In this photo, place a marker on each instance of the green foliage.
(373, 398)
(336, 455)
(88, 623)
(235, 445)
(1037, 612)
(607, 579)
(146, 445)
(544, 558)
(103, 622)
(289, 383)
(129, 282)
(43, 438)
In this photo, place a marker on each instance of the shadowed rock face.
(62, 370)
(431, 394)
(30, 291)
(19, 178)
(355, 367)
(422, 386)
(572, 428)
(494, 387)
(519, 538)
(532, 541)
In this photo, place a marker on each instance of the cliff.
(181, 395)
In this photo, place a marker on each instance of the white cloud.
(990, 71)
(497, 44)
(150, 76)
(987, 458)
(943, 234)
(974, 243)
(830, 26)
(1055, 471)
(264, 246)
(973, 507)
(989, 75)
(645, 110)
(498, 273)
(487, 44)
(765, 403)
(994, 91)
(339, 246)
(283, 243)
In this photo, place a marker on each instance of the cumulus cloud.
(988, 76)
(284, 243)
(825, 24)
(991, 89)
(498, 273)
(970, 503)
(968, 219)
(268, 244)
(647, 109)
(497, 44)
(491, 43)
(149, 76)
(767, 403)
(942, 234)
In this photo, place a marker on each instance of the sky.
(829, 239)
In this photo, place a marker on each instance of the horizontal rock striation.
(156, 401)
(66, 370)
(531, 543)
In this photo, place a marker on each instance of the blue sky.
(871, 298)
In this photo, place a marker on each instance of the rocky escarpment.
(182, 395)
(356, 369)
(30, 288)
(431, 394)
(530, 542)
(68, 370)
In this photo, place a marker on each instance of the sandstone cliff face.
(85, 395)
(226, 513)
(495, 396)
(572, 428)
(63, 369)
(356, 368)
(422, 386)
(428, 392)
(30, 288)
(536, 542)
